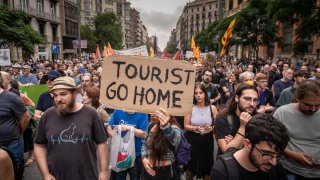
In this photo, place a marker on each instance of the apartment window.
(240, 1)
(216, 5)
(40, 7)
(203, 15)
(109, 2)
(24, 4)
(197, 9)
(230, 4)
(203, 8)
(209, 6)
(209, 15)
(197, 16)
(41, 28)
(52, 9)
(192, 10)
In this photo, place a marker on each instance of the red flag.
(165, 54)
(98, 52)
(177, 56)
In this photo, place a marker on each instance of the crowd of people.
(263, 117)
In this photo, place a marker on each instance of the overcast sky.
(159, 17)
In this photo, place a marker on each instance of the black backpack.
(230, 164)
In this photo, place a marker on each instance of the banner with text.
(144, 84)
(138, 51)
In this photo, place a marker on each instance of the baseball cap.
(64, 82)
(53, 74)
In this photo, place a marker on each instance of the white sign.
(5, 57)
(138, 51)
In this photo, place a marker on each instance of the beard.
(251, 110)
(65, 108)
(254, 161)
(307, 112)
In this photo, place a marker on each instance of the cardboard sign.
(144, 84)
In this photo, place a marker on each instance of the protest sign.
(145, 84)
(34, 91)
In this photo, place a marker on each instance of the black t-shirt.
(220, 172)
(222, 128)
(212, 91)
(11, 110)
(71, 142)
(45, 102)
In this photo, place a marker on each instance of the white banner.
(142, 50)
(5, 57)
(189, 54)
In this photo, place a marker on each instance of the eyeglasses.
(269, 155)
(249, 99)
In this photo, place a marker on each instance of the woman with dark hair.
(199, 133)
(91, 97)
(158, 156)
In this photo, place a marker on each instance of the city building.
(195, 17)
(45, 18)
(276, 50)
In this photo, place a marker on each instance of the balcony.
(39, 14)
(236, 9)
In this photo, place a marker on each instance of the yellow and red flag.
(193, 44)
(151, 52)
(228, 33)
(105, 51)
(110, 49)
(97, 52)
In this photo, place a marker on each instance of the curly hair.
(264, 127)
(158, 143)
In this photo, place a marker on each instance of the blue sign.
(55, 49)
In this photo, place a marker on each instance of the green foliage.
(87, 33)
(15, 30)
(306, 14)
(172, 48)
(108, 29)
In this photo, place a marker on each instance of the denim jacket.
(173, 135)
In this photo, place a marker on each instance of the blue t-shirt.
(137, 120)
(27, 79)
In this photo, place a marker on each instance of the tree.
(304, 14)
(108, 29)
(87, 33)
(15, 30)
(172, 48)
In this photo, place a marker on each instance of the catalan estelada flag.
(226, 37)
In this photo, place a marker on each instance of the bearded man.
(68, 137)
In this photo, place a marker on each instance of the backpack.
(182, 155)
(184, 150)
(229, 163)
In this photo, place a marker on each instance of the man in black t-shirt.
(211, 90)
(263, 145)
(69, 136)
(230, 123)
(14, 119)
